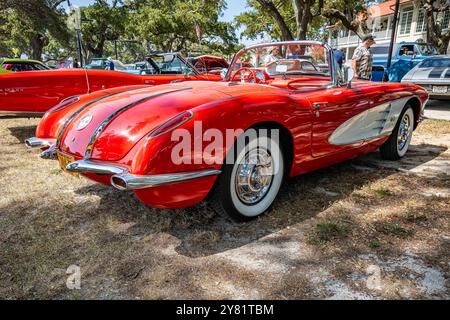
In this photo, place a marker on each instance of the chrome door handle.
(317, 105)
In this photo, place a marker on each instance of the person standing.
(110, 64)
(272, 56)
(75, 63)
(362, 58)
(339, 56)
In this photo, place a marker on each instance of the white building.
(411, 25)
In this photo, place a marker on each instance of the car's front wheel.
(396, 146)
(250, 179)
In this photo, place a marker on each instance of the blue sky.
(235, 7)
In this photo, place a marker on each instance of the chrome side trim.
(134, 182)
(84, 166)
(79, 110)
(105, 122)
(34, 142)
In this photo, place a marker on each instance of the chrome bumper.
(34, 142)
(128, 181)
(87, 166)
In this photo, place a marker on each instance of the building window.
(446, 20)
(421, 25)
(406, 21)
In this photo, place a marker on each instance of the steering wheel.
(247, 78)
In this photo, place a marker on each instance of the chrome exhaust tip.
(119, 183)
(34, 142)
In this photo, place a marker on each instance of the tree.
(434, 11)
(175, 25)
(352, 15)
(102, 22)
(31, 23)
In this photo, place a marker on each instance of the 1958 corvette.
(33, 93)
(235, 140)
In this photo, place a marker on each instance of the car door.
(332, 108)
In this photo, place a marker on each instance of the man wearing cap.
(362, 58)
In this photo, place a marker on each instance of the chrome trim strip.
(105, 122)
(149, 136)
(83, 166)
(136, 182)
(78, 111)
(34, 142)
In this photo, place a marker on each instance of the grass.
(327, 231)
(392, 229)
(50, 220)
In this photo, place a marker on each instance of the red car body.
(35, 92)
(320, 125)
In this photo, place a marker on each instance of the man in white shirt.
(272, 56)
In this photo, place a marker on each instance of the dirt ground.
(363, 229)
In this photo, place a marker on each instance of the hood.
(107, 130)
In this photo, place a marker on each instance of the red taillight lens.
(171, 124)
(64, 104)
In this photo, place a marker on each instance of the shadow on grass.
(201, 232)
(23, 133)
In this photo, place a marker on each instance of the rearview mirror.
(281, 68)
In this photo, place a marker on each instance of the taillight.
(64, 104)
(171, 124)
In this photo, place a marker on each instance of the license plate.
(439, 89)
(64, 160)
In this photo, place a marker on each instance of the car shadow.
(200, 232)
(23, 133)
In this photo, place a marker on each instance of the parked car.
(102, 63)
(433, 74)
(405, 56)
(209, 63)
(33, 93)
(235, 140)
(18, 65)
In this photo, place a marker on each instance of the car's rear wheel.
(251, 179)
(396, 146)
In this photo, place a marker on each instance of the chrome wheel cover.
(404, 132)
(254, 176)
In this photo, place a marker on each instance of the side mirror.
(349, 74)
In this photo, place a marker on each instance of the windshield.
(427, 49)
(436, 63)
(172, 64)
(97, 62)
(285, 59)
(379, 50)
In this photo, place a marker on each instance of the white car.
(433, 74)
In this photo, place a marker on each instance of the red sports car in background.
(34, 92)
(235, 140)
(209, 64)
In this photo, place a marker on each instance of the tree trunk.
(268, 5)
(435, 35)
(38, 42)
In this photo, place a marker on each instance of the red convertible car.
(34, 92)
(235, 140)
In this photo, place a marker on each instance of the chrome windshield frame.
(332, 65)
